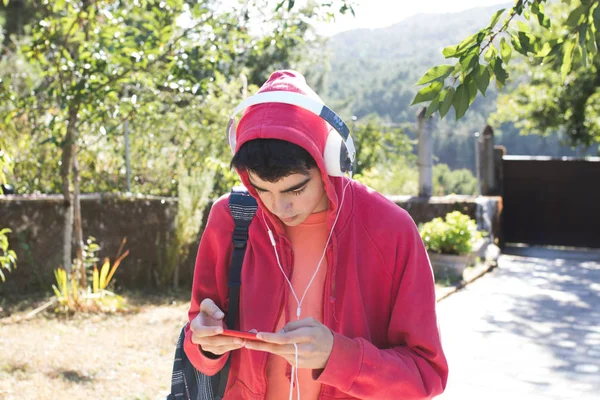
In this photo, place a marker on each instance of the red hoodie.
(379, 295)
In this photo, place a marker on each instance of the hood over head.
(290, 123)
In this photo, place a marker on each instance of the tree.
(8, 258)
(100, 63)
(485, 55)
(544, 103)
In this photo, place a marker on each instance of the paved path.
(530, 330)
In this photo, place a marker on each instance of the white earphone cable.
(300, 301)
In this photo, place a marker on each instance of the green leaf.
(491, 53)
(470, 61)
(451, 52)
(582, 43)
(546, 49)
(526, 43)
(500, 73)
(591, 43)
(535, 8)
(432, 107)
(523, 27)
(461, 101)
(496, 18)
(565, 68)
(468, 42)
(596, 16)
(505, 50)
(446, 98)
(428, 93)
(539, 10)
(438, 73)
(483, 79)
(517, 44)
(472, 86)
(576, 16)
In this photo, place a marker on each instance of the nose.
(280, 206)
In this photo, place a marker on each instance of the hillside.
(373, 72)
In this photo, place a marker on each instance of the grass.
(96, 356)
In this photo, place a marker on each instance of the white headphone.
(339, 154)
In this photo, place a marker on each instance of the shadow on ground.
(562, 310)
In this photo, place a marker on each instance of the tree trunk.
(77, 220)
(67, 163)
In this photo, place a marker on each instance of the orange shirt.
(308, 242)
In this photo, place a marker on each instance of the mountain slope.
(373, 72)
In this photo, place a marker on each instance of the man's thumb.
(210, 308)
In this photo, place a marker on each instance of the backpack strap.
(242, 207)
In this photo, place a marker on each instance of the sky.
(375, 14)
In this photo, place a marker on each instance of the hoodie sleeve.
(414, 367)
(210, 280)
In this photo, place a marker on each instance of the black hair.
(273, 159)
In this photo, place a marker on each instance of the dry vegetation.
(124, 356)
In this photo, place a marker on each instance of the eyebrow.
(290, 189)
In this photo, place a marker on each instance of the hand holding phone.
(207, 329)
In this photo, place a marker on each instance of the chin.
(297, 220)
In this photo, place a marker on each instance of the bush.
(459, 181)
(454, 235)
(8, 258)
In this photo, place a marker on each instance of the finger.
(300, 335)
(197, 327)
(210, 308)
(278, 349)
(220, 350)
(306, 322)
(219, 340)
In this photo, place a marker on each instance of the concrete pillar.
(499, 153)
(488, 172)
(425, 162)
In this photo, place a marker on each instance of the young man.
(344, 257)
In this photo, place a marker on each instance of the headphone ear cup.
(334, 149)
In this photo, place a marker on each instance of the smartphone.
(240, 335)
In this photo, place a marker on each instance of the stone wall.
(148, 224)
(36, 222)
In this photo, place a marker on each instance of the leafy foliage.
(459, 181)
(71, 297)
(161, 66)
(545, 103)
(395, 58)
(8, 258)
(456, 233)
(485, 55)
(384, 158)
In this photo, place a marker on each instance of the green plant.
(8, 258)
(455, 234)
(70, 297)
(459, 181)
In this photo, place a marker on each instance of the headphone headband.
(299, 100)
(339, 151)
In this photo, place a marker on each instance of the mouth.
(288, 220)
